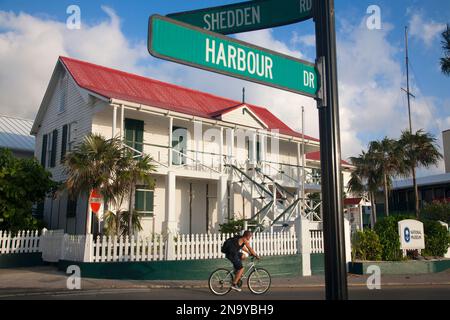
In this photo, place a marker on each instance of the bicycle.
(258, 280)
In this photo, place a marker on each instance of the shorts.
(236, 260)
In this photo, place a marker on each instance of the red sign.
(95, 201)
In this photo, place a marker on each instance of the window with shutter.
(54, 146)
(134, 134)
(44, 150)
(63, 143)
(144, 198)
(71, 207)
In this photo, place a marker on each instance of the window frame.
(145, 213)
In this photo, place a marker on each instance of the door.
(179, 145)
(134, 134)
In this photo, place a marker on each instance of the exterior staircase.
(276, 207)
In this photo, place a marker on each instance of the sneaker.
(236, 288)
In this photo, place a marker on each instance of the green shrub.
(437, 211)
(367, 246)
(233, 226)
(437, 239)
(387, 231)
(236, 226)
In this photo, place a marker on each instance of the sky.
(371, 61)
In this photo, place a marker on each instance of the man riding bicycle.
(235, 255)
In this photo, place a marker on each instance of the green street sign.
(182, 43)
(247, 16)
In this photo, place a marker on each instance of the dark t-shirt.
(235, 247)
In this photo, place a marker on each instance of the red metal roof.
(315, 156)
(111, 83)
(352, 201)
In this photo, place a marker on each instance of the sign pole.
(330, 153)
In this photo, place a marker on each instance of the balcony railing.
(203, 161)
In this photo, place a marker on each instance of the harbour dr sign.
(179, 42)
(411, 235)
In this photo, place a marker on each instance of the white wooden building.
(216, 158)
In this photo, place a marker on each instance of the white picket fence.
(208, 246)
(317, 241)
(22, 242)
(56, 246)
(120, 249)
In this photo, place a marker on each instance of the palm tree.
(387, 155)
(92, 165)
(108, 166)
(117, 223)
(366, 178)
(445, 61)
(139, 171)
(419, 150)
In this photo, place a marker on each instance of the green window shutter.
(63, 143)
(44, 150)
(134, 133)
(144, 201)
(149, 201)
(54, 145)
(71, 208)
(139, 200)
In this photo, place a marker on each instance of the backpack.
(228, 245)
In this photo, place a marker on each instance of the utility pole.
(330, 152)
(408, 92)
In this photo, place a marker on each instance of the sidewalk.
(48, 278)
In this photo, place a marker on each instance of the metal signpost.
(247, 16)
(330, 153)
(179, 42)
(193, 43)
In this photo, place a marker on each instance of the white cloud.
(307, 40)
(30, 46)
(426, 31)
(264, 38)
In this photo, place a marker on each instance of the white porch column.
(348, 242)
(262, 146)
(253, 146)
(88, 217)
(221, 150)
(122, 122)
(170, 141)
(170, 225)
(222, 199)
(302, 231)
(230, 144)
(114, 122)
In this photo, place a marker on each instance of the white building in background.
(446, 145)
(15, 136)
(216, 158)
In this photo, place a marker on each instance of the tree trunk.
(374, 210)
(118, 222)
(386, 197)
(130, 211)
(416, 193)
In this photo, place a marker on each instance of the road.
(427, 292)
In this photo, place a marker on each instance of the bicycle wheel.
(259, 281)
(220, 281)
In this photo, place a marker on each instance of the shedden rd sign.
(247, 16)
(186, 44)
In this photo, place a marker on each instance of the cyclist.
(235, 255)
